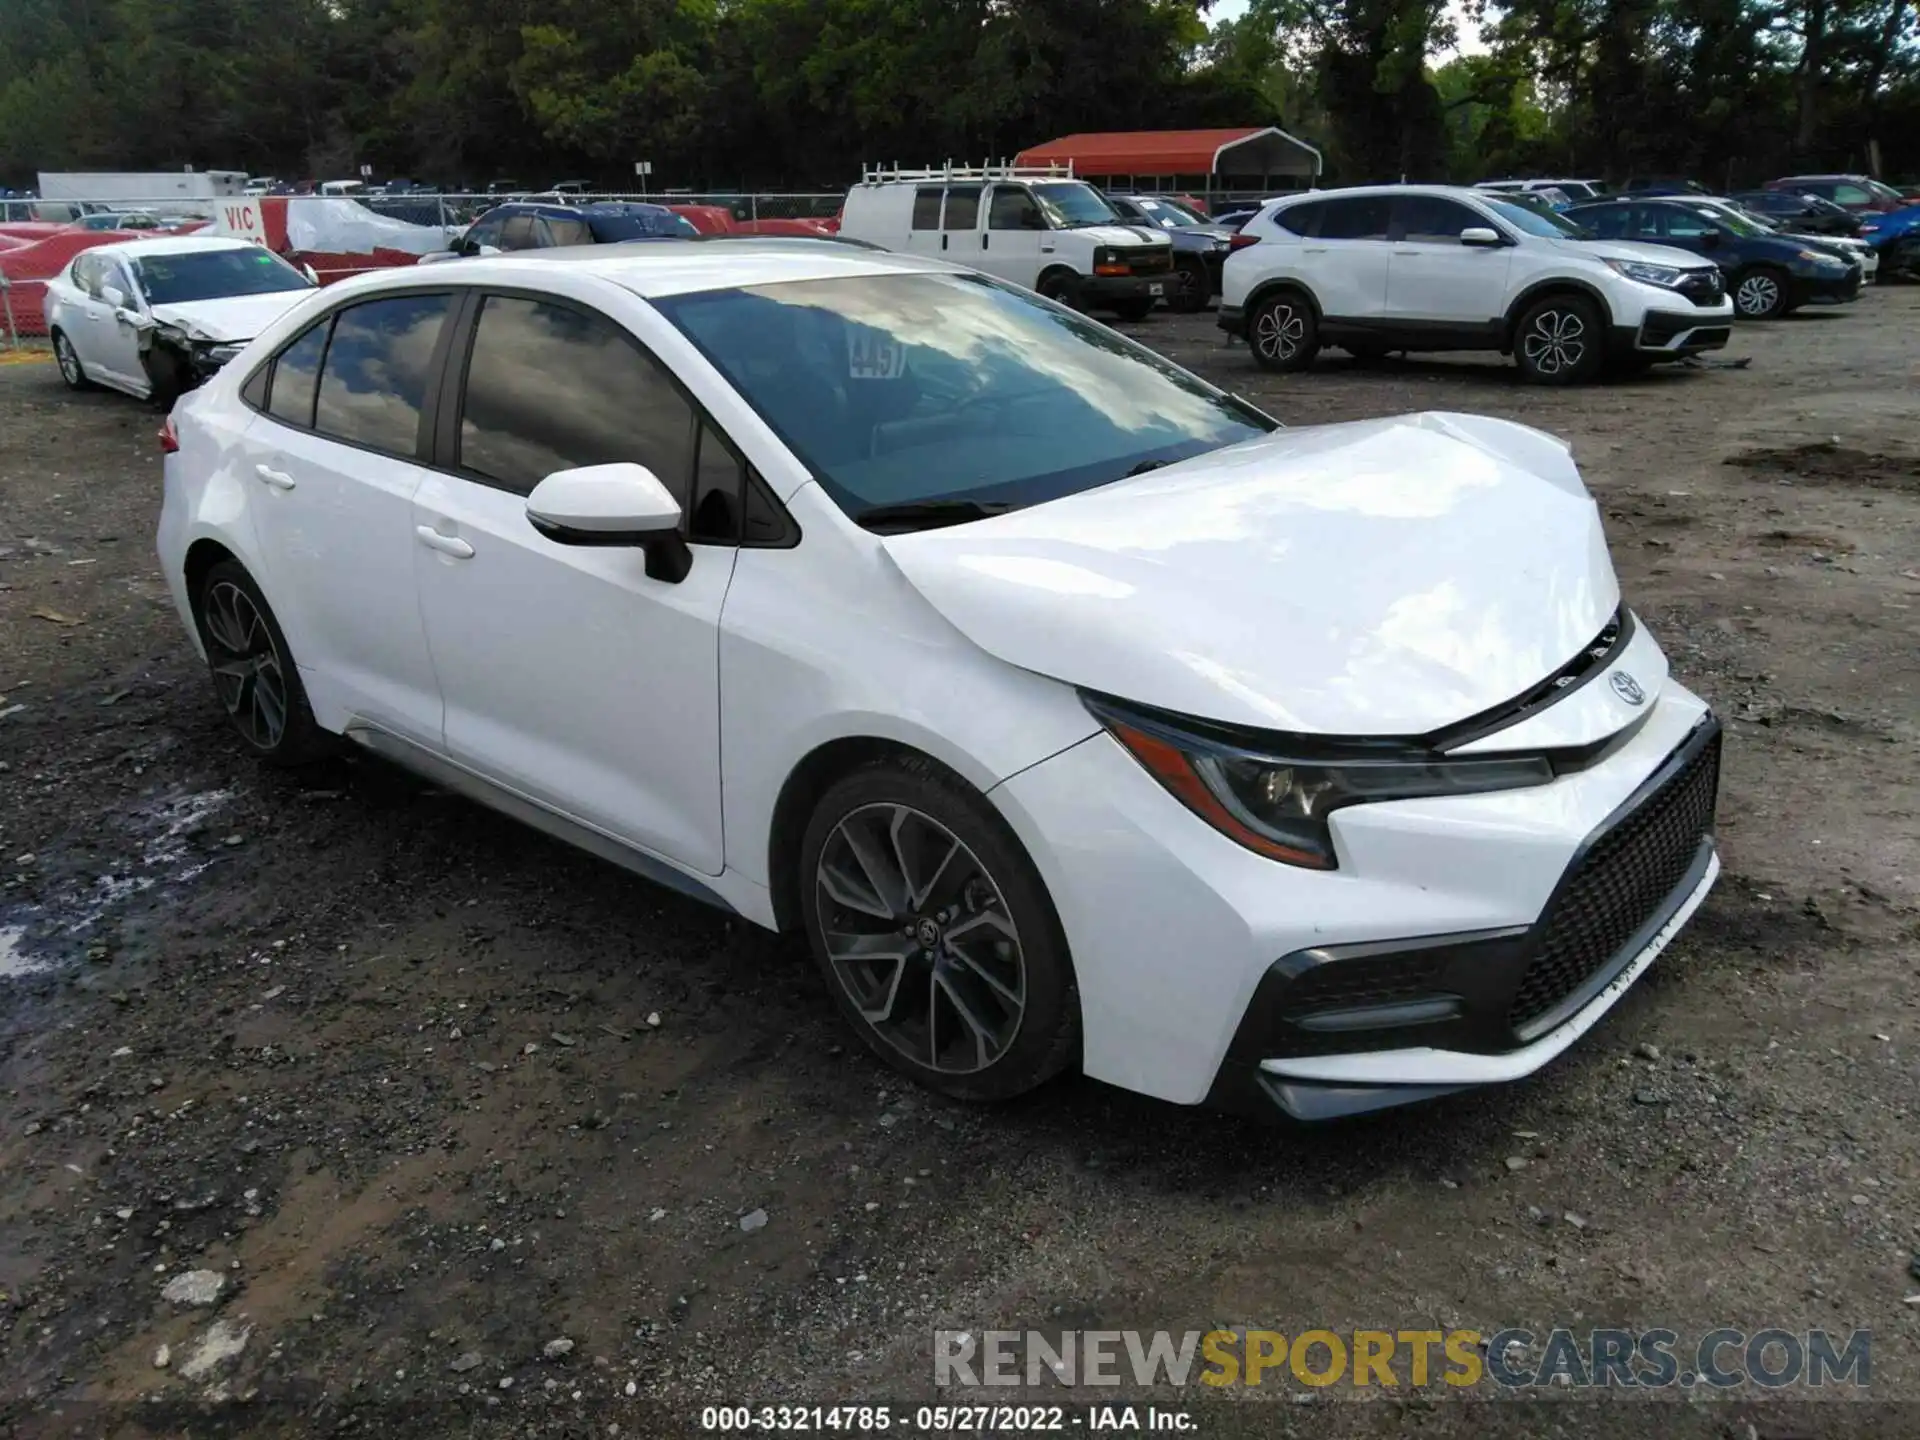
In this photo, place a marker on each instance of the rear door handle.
(278, 479)
(1406, 252)
(446, 544)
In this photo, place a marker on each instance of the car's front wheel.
(1191, 287)
(1284, 333)
(1559, 341)
(1760, 293)
(253, 670)
(935, 933)
(68, 359)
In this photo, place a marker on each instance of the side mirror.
(488, 250)
(1711, 240)
(621, 504)
(1483, 236)
(310, 273)
(113, 297)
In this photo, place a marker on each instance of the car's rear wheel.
(1760, 293)
(1559, 341)
(253, 670)
(68, 359)
(935, 933)
(1284, 333)
(1191, 288)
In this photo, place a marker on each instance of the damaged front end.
(177, 357)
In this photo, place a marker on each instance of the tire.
(951, 964)
(1063, 287)
(1760, 293)
(1283, 332)
(1559, 340)
(1191, 288)
(1132, 311)
(68, 360)
(253, 670)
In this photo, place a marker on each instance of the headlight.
(1275, 799)
(219, 354)
(1820, 257)
(1665, 276)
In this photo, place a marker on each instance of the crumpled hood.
(1386, 577)
(230, 318)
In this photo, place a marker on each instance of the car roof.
(173, 245)
(657, 268)
(1457, 192)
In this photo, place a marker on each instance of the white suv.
(1036, 226)
(1424, 267)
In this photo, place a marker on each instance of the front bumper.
(1677, 332)
(1175, 930)
(1825, 287)
(1097, 291)
(1339, 1030)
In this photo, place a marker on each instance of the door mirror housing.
(1482, 236)
(621, 504)
(113, 297)
(311, 273)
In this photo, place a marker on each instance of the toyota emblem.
(1627, 688)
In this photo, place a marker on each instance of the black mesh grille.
(1620, 884)
(1349, 984)
(1154, 262)
(1703, 287)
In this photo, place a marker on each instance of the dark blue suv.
(1768, 274)
(532, 225)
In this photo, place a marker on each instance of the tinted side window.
(1851, 194)
(567, 232)
(926, 208)
(1608, 224)
(549, 388)
(718, 478)
(1432, 218)
(517, 233)
(374, 383)
(1012, 208)
(1677, 224)
(290, 395)
(1300, 219)
(1364, 217)
(484, 232)
(963, 207)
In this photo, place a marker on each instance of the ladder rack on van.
(885, 174)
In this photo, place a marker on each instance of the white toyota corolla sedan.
(1079, 714)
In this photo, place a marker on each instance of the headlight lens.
(1666, 276)
(1278, 805)
(1820, 257)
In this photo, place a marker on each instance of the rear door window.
(1363, 217)
(926, 208)
(517, 233)
(963, 207)
(373, 384)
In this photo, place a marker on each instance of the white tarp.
(331, 226)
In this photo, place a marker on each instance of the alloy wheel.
(247, 669)
(1279, 331)
(919, 937)
(68, 362)
(1191, 288)
(1757, 295)
(1555, 342)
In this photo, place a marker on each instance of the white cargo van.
(1034, 225)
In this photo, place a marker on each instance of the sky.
(1469, 33)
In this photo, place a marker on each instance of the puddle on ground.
(163, 856)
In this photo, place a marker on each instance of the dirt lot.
(431, 1092)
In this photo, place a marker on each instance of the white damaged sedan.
(1077, 713)
(156, 317)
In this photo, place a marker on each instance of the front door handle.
(278, 479)
(446, 544)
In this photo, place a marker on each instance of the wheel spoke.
(860, 960)
(982, 1034)
(852, 892)
(986, 977)
(888, 884)
(897, 832)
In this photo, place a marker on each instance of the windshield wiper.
(927, 514)
(1143, 467)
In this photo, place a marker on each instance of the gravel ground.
(426, 1092)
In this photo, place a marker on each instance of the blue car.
(1768, 274)
(531, 225)
(1895, 238)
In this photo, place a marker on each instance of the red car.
(1859, 193)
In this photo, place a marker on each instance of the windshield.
(214, 274)
(1533, 221)
(1730, 219)
(611, 226)
(1068, 204)
(1168, 213)
(897, 389)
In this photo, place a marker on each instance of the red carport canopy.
(1249, 150)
